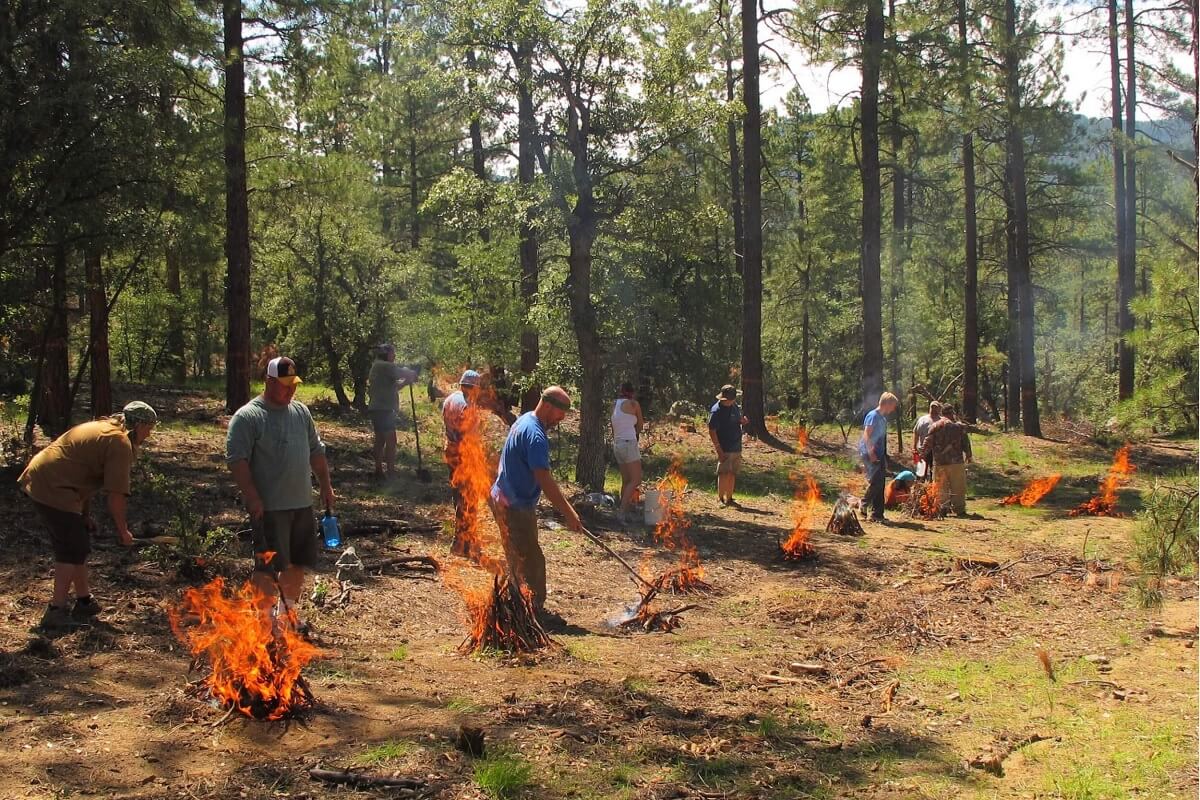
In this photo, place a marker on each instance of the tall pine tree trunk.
(237, 215)
(872, 222)
(333, 361)
(1127, 266)
(100, 371)
(528, 247)
(54, 406)
(970, 390)
(1030, 421)
(1118, 158)
(478, 158)
(753, 401)
(1012, 384)
(414, 199)
(735, 155)
(897, 254)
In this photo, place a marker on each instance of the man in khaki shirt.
(61, 481)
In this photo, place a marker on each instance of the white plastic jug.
(655, 508)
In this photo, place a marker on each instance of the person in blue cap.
(898, 490)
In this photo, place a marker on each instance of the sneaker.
(58, 618)
(86, 607)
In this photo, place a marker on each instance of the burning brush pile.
(1032, 494)
(500, 614)
(254, 658)
(687, 577)
(671, 534)
(1104, 504)
(924, 501)
(808, 495)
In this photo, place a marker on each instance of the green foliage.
(1167, 538)
(503, 776)
(385, 752)
(196, 545)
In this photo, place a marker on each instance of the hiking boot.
(58, 618)
(86, 607)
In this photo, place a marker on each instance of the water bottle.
(330, 531)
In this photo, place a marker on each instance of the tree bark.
(414, 200)
(970, 390)
(528, 246)
(753, 401)
(478, 158)
(332, 360)
(1031, 423)
(1127, 208)
(896, 256)
(1012, 381)
(735, 156)
(54, 406)
(100, 371)
(237, 215)
(872, 303)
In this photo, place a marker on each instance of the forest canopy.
(587, 193)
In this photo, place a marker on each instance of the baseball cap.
(469, 378)
(137, 413)
(283, 369)
(728, 392)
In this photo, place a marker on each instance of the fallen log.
(779, 679)
(424, 563)
(361, 780)
(993, 760)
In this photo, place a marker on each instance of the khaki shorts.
(731, 464)
(626, 451)
(291, 535)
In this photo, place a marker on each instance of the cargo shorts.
(291, 536)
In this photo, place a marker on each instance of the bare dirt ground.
(925, 667)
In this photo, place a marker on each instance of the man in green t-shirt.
(273, 450)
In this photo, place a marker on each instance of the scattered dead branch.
(992, 760)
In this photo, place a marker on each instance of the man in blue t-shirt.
(872, 447)
(725, 423)
(524, 475)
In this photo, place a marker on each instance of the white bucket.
(655, 508)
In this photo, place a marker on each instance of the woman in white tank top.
(627, 425)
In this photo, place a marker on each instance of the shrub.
(1167, 538)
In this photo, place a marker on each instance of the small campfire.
(924, 501)
(844, 520)
(671, 533)
(504, 620)
(808, 495)
(1033, 493)
(1104, 504)
(500, 614)
(254, 659)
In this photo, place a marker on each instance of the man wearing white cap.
(383, 405)
(61, 480)
(273, 450)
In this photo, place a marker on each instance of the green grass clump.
(387, 751)
(399, 653)
(463, 705)
(503, 775)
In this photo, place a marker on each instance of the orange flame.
(807, 496)
(1105, 503)
(1034, 492)
(256, 661)
(802, 438)
(496, 613)
(671, 532)
(929, 504)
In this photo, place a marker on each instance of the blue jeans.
(875, 485)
